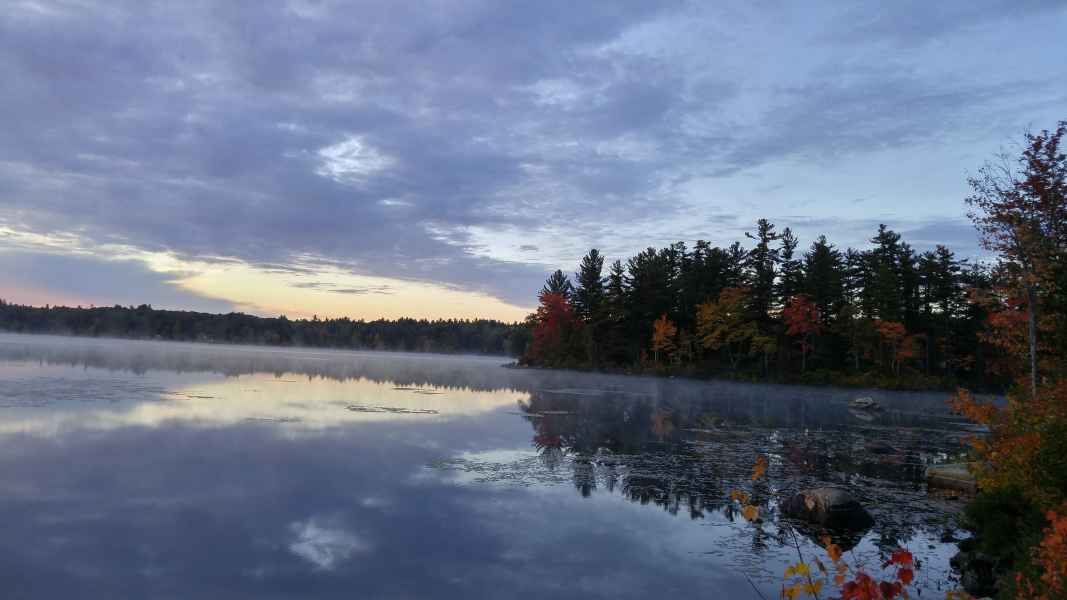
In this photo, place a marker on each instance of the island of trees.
(886, 315)
(479, 336)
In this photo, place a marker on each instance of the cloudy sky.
(439, 158)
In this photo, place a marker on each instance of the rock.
(863, 415)
(865, 403)
(876, 447)
(954, 476)
(830, 507)
(977, 572)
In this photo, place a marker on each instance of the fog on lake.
(135, 469)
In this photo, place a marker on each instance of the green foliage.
(1006, 523)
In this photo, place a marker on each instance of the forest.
(481, 336)
(885, 315)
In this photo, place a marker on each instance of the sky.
(438, 159)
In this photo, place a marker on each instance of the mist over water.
(147, 469)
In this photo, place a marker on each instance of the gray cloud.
(101, 282)
(373, 289)
(282, 134)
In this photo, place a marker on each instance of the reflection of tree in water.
(685, 453)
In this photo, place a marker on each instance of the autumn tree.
(801, 318)
(1020, 208)
(556, 332)
(896, 345)
(724, 323)
(663, 337)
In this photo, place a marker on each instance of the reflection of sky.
(191, 485)
(106, 400)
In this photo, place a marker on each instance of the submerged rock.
(830, 507)
(978, 572)
(878, 447)
(954, 476)
(865, 403)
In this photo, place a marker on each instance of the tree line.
(478, 336)
(771, 310)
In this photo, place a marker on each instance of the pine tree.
(761, 265)
(791, 274)
(824, 279)
(589, 303)
(558, 283)
(614, 348)
(589, 294)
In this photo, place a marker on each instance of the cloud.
(324, 546)
(396, 143)
(87, 280)
(351, 161)
(380, 289)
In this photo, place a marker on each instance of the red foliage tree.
(801, 318)
(556, 339)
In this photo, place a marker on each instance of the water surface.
(167, 470)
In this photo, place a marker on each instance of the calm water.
(158, 470)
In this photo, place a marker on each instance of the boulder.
(954, 476)
(830, 507)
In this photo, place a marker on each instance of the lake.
(135, 469)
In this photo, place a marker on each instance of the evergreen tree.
(761, 266)
(589, 294)
(791, 275)
(614, 348)
(650, 281)
(558, 283)
(880, 295)
(824, 279)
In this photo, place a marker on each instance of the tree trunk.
(1031, 316)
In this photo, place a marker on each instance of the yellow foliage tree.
(722, 323)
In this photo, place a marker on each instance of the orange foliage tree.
(1025, 451)
(1051, 558)
(663, 334)
(897, 346)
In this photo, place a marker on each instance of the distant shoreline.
(443, 336)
